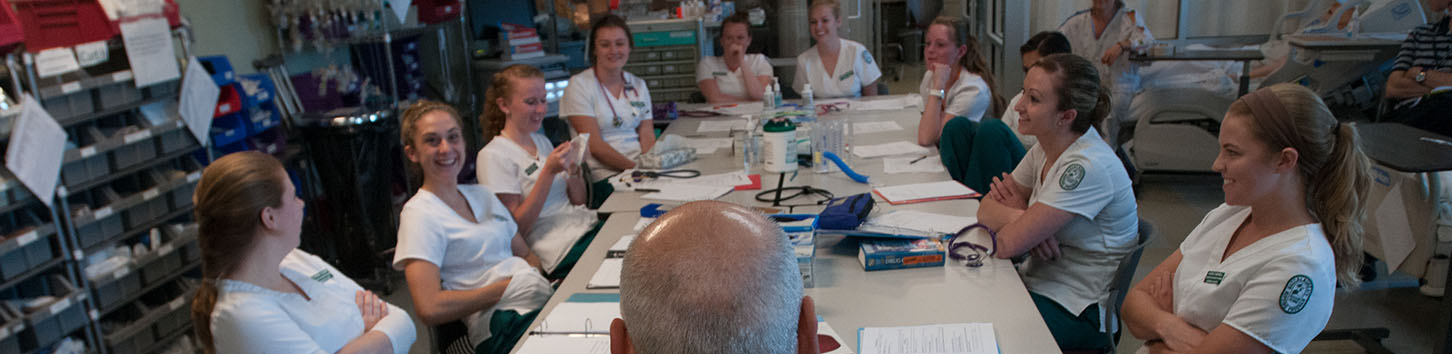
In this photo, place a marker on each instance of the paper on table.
(608, 276)
(906, 164)
(728, 179)
(36, 150)
(707, 145)
(736, 109)
(721, 125)
(688, 192)
(924, 191)
(552, 344)
(642, 223)
(875, 127)
(198, 100)
(887, 104)
(894, 148)
(55, 61)
(579, 318)
(958, 338)
(918, 221)
(148, 47)
(621, 246)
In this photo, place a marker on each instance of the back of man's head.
(711, 277)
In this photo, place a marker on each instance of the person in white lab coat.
(1259, 273)
(1069, 202)
(259, 293)
(539, 183)
(458, 247)
(734, 76)
(610, 104)
(835, 67)
(1105, 33)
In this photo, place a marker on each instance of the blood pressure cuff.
(845, 213)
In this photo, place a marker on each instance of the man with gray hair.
(712, 277)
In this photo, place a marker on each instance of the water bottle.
(807, 102)
(767, 99)
(776, 87)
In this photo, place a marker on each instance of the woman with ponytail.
(1069, 202)
(1259, 273)
(961, 108)
(260, 294)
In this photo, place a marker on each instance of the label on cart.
(194, 176)
(70, 87)
(27, 238)
(101, 213)
(178, 303)
(225, 107)
(164, 250)
(150, 194)
(121, 76)
(88, 151)
(137, 136)
(90, 54)
(121, 273)
(55, 61)
(60, 305)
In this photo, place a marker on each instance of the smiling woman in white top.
(259, 293)
(734, 76)
(835, 67)
(610, 104)
(961, 110)
(540, 184)
(1259, 273)
(458, 246)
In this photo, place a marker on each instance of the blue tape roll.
(845, 169)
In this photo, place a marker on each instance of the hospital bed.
(1175, 128)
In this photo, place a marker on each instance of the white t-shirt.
(253, 319)
(585, 97)
(730, 81)
(969, 97)
(1010, 118)
(855, 68)
(1278, 290)
(506, 168)
(1089, 182)
(470, 255)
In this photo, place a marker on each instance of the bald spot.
(705, 251)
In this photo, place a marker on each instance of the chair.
(1119, 287)
(451, 338)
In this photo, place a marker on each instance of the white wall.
(238, 29)
(1204, 18)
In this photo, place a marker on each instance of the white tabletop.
(846, 296)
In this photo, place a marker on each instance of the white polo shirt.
(1278, 290)
(585, 97)
(470, 255)
(506, 168)
(252, 319)
(855, 68)
(969, 97)
(730, 81)
(1089, 182)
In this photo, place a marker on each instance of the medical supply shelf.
(665, 56)
(128, 173)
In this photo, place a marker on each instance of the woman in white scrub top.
(610, 104)
(835, 67)
(259, 293)
(1259, 273)
(1104, 34)
(458, 246)
(960, 109)
(1069, 201)
(539, 183)
(734, 76)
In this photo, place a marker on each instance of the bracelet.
(938, 93)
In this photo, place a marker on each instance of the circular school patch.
(1071, 177)
(1297, 293)
(867, 57)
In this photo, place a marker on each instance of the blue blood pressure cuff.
(845, 213)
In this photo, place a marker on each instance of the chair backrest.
(1124, 276)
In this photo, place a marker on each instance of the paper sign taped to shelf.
(92, 53)
(27, 238)
(36, 150)
(60, 305)
(198, 100)
(137, 136)
(148, 47)
(55, 61)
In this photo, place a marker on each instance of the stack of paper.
(608, 276)
(911, 164)
(705, 146)
(736, 109)
(875, 127)
(721, 125)
(914, 221)
(687, 192)
(958, 338)
(924, 192)
(888, 104)
(618, 249)
(895, 148)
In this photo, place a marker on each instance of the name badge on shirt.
(322, 276)
(637, 104)
(845, 76)
(533, 166)
(718, 73)
(1214, 277)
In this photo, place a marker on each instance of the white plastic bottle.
(767, 97)
(807, 102)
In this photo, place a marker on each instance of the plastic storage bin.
(166, 261)
(262, 117)
(220, 68)
(62, 23)
(111, 290)
(129, 330)
(230, 101)
(55, 320)
(256, 89)
(69, 105)
(100, 223)
(174, 314)
(22, 251)
(173, 141)
(228, 129)
(11, 322)
(118, 94)
(163, 89)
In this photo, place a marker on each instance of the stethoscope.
(608, 98)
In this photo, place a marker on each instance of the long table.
(847, 297)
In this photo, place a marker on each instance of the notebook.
(608, 276)
(581, 314)
(924, 192)
(956, 338)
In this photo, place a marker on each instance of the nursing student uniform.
(252, 319)
(505, 167)
(970, 97)
(1089, 182)
(730, 81)
(618, 117)
(471, 255)
(855, 68)
(1122, 76)
(1278, 290)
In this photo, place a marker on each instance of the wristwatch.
(939, 92)
(1421, 77)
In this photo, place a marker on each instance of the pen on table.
(917, 159)
(647, 190)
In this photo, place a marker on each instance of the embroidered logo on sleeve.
(1214, 277)
(844, 76)
(322, 276)
(1296, 294)
(867, 57)
(1071, 177)
(533, 166)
